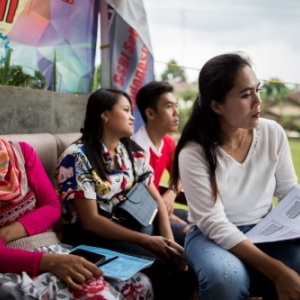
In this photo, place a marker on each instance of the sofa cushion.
(64, 140)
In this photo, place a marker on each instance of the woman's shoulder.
(26, 149)
(191, 149)
(24, 146)
(73, 148)
(270, 126)
(192, 146)
(138, 153)
(268, 123)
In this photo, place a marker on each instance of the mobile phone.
(93, 257)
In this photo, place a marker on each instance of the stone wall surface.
(24, 110)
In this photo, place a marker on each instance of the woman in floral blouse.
(94, 173)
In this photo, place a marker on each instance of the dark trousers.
(287, 252)
(177, 228)
(166, 285)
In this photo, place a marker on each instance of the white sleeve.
(210, 217)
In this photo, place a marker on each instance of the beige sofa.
(47, 146)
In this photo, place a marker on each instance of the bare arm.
(164, 223)
(102, 226)
(12, 232)
(169, 198)
(286, 280)
(163, 218)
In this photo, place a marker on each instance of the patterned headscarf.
(13, 179)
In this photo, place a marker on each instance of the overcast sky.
(193, 31)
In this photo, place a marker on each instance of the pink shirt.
(47, 212)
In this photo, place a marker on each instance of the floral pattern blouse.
(76, 178)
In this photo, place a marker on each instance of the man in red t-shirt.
(158, 108)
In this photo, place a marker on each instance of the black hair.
(216, 79)
(98, 102)
(148, 96)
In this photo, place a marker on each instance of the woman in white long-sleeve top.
(231, 164)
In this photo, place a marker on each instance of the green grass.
(295, 150)
(165, 177)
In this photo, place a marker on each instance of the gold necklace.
(231, 152)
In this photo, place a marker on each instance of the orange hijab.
(13, 179)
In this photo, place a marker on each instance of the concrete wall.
(24, 110)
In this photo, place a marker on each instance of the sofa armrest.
(64, 140)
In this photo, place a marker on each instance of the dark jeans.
(166, 285)
(177, 228)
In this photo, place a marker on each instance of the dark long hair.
(99, 102)
(216, 79)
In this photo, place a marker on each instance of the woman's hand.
(166, 249)
(286, 280)
(72, 269)
(169, 198)
(288, 285)
(175, 248)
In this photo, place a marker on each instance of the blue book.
(118, 265)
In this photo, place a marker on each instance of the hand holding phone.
(93, 257)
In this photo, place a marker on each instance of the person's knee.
(218, 271)
(230, 282)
